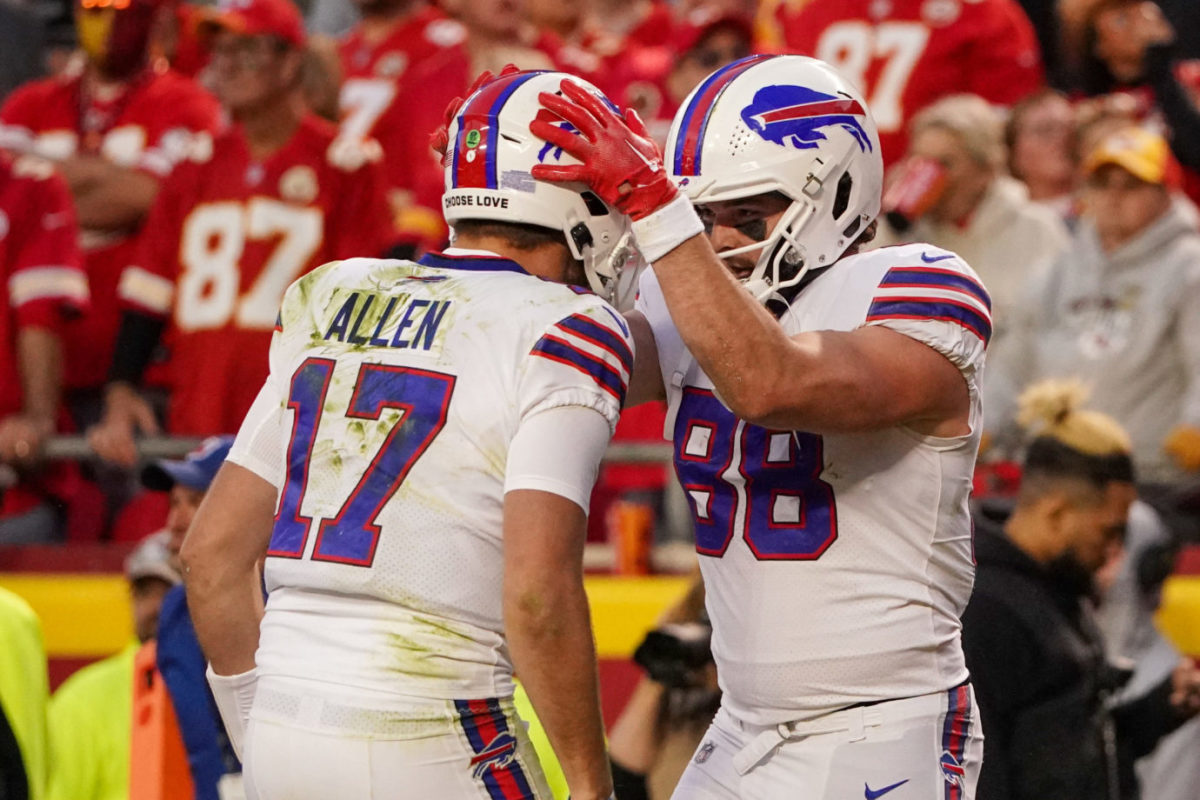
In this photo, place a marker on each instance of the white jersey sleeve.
(583, 359)
(939, 301)
(261, 439)
(536, 459)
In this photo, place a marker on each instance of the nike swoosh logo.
(934, 259)
(653, 165)
(871, 795)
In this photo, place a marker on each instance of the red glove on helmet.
(620, 162)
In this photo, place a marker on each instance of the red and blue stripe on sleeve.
(591, 347)
(933, 293)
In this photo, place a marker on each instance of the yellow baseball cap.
(1141, 153)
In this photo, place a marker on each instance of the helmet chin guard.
(786, 124)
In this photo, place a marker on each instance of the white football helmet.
(788, 124)
(487, 174)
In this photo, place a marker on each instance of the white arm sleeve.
(558, 451)
(260, 442)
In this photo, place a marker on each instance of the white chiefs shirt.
(836, 566)
(394, 392)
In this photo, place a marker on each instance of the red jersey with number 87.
(226, 237)
(905, 54)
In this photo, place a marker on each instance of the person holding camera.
(1046, 692)
(670, 708)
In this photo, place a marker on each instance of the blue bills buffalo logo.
(499, 753)
(549, 149)
(795, 116)
(546, 115)
(952, 770)
(495, 761)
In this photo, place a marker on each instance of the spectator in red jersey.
(497, 33)
(905, 54)
(116, 130)
(394, 37)
(607, 23)
(576, 38)
(277, 195)
(178, 40)
(42, 284)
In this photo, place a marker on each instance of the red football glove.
(439, 140)
(621, 163)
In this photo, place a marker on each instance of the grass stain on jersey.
(444, 628)
(411, 657)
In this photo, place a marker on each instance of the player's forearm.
(39, 354)
(108, 197)
(550, 639)
(735, 340)
(224, 545)
(819, 381)
(226, 606)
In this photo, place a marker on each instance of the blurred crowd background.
(173, 166)
(168, 168)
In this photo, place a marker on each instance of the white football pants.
(921, 748)
(484, 754)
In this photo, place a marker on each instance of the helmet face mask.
(786, 124)
(487, 177)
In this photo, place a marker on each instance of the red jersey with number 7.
(227, 235)
(905, 54)
(373, 70)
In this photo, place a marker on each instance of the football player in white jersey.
(825, 425)
(416, 472)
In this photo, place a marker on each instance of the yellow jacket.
(91, 718)
(24, 685)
